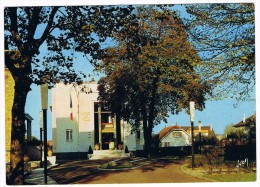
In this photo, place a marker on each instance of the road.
(86, 172)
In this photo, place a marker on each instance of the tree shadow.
(82, 172)
(69, 172)
(160, 163)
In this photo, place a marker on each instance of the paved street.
(86, 172)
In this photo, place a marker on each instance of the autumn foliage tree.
(158, 73)
(60, 32)
(224, 36)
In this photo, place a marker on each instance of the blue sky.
(218, 113)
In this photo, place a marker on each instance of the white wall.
(83, 114)
(183, 140)
(130, 138)
(86, 118)
(61, 118)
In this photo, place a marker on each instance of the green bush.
(214, 155)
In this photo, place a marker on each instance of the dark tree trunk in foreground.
(22, 87)
(118, 129)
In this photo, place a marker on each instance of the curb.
(194, 175)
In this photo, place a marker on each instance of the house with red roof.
(181, 135)
(174, 136)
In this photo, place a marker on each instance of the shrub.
(214, 155)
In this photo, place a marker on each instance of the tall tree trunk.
(118, 128)
(21, 89)
(146, 135)
(149, 131)
(150, 117)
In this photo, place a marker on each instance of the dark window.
(68, 135)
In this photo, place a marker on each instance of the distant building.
(80, 121)
(206, 131)
(181, 135)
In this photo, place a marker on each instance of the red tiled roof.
(166, 130)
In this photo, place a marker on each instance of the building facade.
(174, 136)
(181, 135)
(79, 122)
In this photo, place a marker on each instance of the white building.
(79, 121)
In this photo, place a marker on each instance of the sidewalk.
(37, 177)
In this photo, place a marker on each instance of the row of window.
(69, 136)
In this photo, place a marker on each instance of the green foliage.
(65, 30)
(232, 132)
(251, 129)
(153, 71)
(206, 140)
(224, 35)
(34, 142)
(214, 155)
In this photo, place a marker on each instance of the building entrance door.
(107, 138)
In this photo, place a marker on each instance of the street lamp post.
(41, 129)
(44, 101)
(192, 110)
(200, 124)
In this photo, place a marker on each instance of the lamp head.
(44, 96)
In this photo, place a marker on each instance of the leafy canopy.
(224, 35)
(154, 71)
(43, 40)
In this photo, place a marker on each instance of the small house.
(174, 136)
(181, 135)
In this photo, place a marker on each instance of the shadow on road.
(75, 172)
(160, 163)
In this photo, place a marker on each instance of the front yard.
(220, 176)
(221, 171)
(234, 177)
